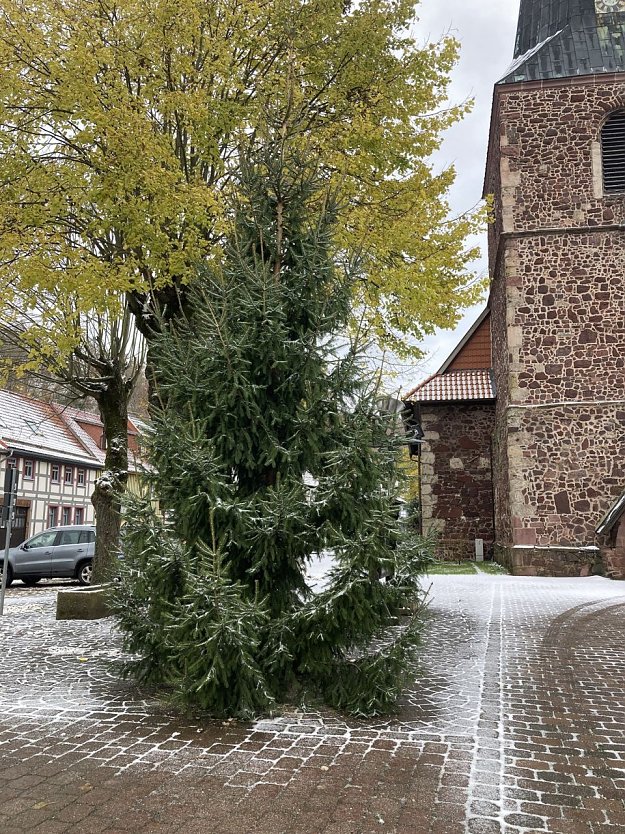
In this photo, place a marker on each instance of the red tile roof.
(33, 426)
(455, 385)
(30, 426)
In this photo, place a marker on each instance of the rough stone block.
(525, 535)
(83, 604)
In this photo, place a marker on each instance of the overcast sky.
(486, 30)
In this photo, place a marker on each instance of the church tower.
(556, 170)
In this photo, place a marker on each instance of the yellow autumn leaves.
(121, 121)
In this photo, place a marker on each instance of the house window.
(53, 516)
(29, 470)
(69, 475)
(79, 515)
(613, 152)
(67, 515)
(55, 473)
(80, 477)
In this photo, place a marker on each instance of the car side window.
(43, 539)
(86, 536)
(70, 537)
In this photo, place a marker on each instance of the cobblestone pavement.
(516, 725)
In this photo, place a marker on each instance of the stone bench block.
(83, 604)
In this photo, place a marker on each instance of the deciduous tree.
(120, 121)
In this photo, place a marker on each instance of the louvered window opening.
(613, 152)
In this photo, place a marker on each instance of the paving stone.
(517, 720)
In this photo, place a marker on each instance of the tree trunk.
(113, 405)
(152, 313)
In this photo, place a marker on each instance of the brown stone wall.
(613, 553)
(492, 184)
(501, 372)
(456, 483)
(501, 484)
(567, 318)
(547, 156)
(566, 467)
(558, 322)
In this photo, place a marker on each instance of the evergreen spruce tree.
(268, 449)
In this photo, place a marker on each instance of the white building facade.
(57, 463)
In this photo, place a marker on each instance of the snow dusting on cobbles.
(515, 724)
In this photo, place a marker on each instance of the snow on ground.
(513, 725)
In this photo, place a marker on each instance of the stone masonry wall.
(501, 484)
(551, 561)
(613, 553)
(566, 467)
(558, 322)
(501, 371)
(544, 163)
(567, 305)
(456, 483)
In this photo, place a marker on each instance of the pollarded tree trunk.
(113, 405)
(152, 314)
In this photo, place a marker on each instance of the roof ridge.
(80, 413)
(465, 371)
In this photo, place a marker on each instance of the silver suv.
(55, 553)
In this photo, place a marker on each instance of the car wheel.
(85, 572)
(9, 576)
(31, 581)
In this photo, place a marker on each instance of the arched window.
(613, 152)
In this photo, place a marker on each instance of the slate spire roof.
(564, 38)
